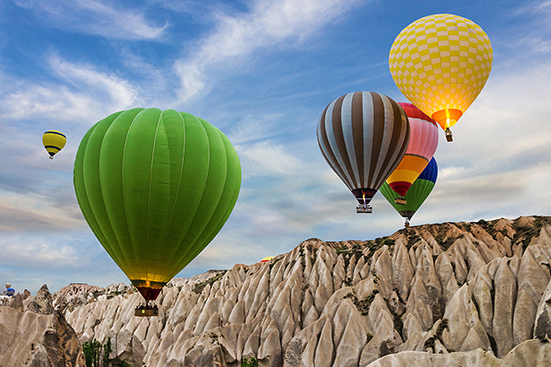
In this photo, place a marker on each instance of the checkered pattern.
(441, 62)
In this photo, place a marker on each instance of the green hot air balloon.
(155, 187)
(417, 193)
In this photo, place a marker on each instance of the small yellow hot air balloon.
(441, 63)
(53, 141)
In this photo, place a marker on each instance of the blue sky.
(262, 71)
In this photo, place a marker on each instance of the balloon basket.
(400, 200)
(449, 136)
(364, 208)
(146, 310)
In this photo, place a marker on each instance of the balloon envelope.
(441, 63)
(417, 194)
(363, 136)
(422, 145)
(155, 187)
(53, 141)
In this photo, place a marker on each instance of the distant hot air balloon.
(417, 193)
(363, 136)
(53, 141)
(266, 259)
(423, 142)
(155, 187)
(441, 63)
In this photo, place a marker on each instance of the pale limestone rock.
(380, 319)
(237, 315)
(365, 288)
(349, 335)
(413, 330)
(419, 303)
(325, 347)
(323, 285)
(402, 270)
(532, 281)
(481, 291)
(29, 338)
(269, 351)
(533, 353)
(476, 358)
(213, 322)
(358, 270)
(351, 266)
(335, 301)
(244, 335)
(542, 324)
(304, 287)
(306, 308)
(396, 304)
(450, 289)
(382, 266)
(458, 259)
(504, 301)
(41, 303)
(250, 349)
(141, 330)
(311, 316)
(339, 273)
(296, 347)
(462, 317)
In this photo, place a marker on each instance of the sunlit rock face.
(451, 294)
(36, 339)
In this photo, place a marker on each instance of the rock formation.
(451, 294)
(30, 338)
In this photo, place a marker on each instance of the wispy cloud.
(269, 22)
(535, 36)
(35, 212)
(79, 91)
(94, 17)
(38, 253)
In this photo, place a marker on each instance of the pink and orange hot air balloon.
(423, 142)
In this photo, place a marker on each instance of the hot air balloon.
(417, 193)
(53, 141)
(441, 63)
(423, 142)
(266, 259)
(155, 188)
(363, 136)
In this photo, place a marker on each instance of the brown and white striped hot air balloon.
(363, 137)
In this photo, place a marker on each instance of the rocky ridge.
(34, 334)
(451, 294)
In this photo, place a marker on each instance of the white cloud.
(268, 23)
(264, 159)
(38, 253)
(39, 212)
(94, 17)
(82, 92)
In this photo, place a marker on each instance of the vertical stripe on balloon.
(363, 136)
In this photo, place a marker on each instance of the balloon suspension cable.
(449, 136)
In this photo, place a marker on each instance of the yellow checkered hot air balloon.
(53, 141)
(441, 63)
